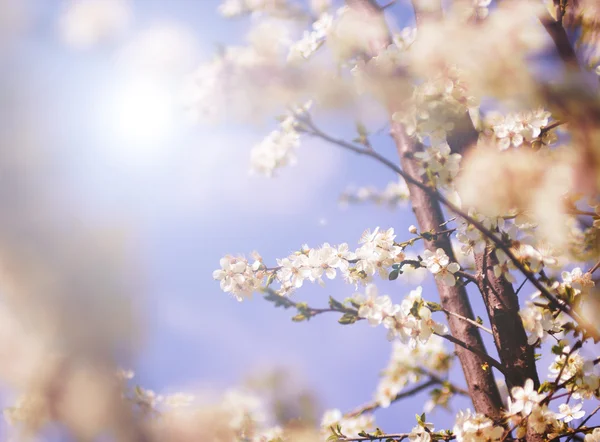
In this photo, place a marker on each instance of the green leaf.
(434, 306)
(336, 305)
(361, 129)
(299, 318)
(393, 275)
(427, 235)
(479, 320)
(348, 318)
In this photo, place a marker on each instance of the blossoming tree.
(492, 107)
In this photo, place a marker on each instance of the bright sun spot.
(144, 112)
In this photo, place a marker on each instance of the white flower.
(524, 398)
(594, 436)
(243, 407)
(538, 322)
(504, 266)
(541, 418)
(350, 427)
(238, 277)
(311, 41)
(374, 308)
(568, 413)
(439, 264)
(418, 434)
(294, 270)
(577, 279)
(472, 427)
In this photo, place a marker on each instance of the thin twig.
(487, 358)
(580, 426)
(470, 321)
(371, 406)
(593, 269)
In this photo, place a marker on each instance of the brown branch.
(435, 197)
(481, 383)
(371, 406)
(593, 269)
(502, 305)
(559, 36)
(488, 360)
(470, 321)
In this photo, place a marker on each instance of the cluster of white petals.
(575, 280)
(580, 374)
(244, 409)
(476, 427)
(311, 40)
(350, 426)
(435, 106)
(410, 321)
(526, 412)
(377, 254)
(238, 277)
(515, 129)
(393, 195)
(278, 148)
(437, 162)
(409, 365)
(539, 322)
(524, 399)
(594, 436)
(439, 264)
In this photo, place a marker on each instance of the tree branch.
(371, 406)
(435, 195)
(470, 321)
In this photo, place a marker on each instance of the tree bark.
(480, 379)
(501, 301)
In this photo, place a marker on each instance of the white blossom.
(439, 264)
(523, 399)
(568, 413)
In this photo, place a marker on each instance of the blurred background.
(116, 210)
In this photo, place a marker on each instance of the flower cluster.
(435, 106)
(377, 254)
(515, 129)
(437, 162)
(580, 375)
(238, 277)
(409, 321)
(539, 322)
(394, 194)
(439, 264)
(409, 365)
(349, 426)
(576, 282)
(311, 40)
(278, 148)
(476, 427)
(525, 411)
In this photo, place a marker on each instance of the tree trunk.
(480, 381)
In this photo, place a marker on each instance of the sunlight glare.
(144, 112)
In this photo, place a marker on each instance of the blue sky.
(189, 200)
